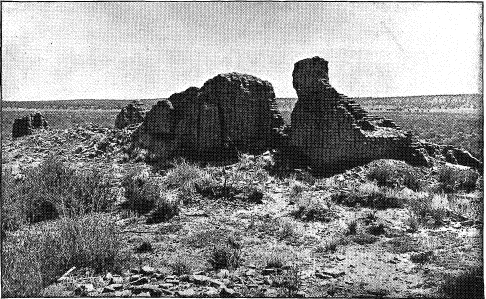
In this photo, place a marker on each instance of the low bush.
(351, 227)
(383, 175)
(310, 208)
(364, 238)
(187, 178)
(141, 191)
(296, 189)
(51, 190)
(395, 174)
(329, 245)
(33, 258)
(371, 195)
(226, 255)
(180, 265)
(289, 230)
(165, 207)
(452, 179)
(428, 207)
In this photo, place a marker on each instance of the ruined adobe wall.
(231, 112)
(335, 133)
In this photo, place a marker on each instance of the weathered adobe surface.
(131, 114)
(231, 112)
(333, 133)
(27, 124)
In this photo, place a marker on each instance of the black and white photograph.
(233, 149)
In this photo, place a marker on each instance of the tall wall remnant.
(131, 114)
(26, 125)
(332, 132)
(231, 112)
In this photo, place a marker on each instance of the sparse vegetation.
(34, 257)
(452, 179)
(289, 281)
(314, 208)
(226, 255)
(51, 190)
(351, 227)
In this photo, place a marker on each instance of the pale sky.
(56, 51)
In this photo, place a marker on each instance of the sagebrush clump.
(51, 190)
(35, 257)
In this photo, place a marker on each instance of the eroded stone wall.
(333, 132)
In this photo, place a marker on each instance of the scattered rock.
(333, 272)
(124, 293)
(84, 289)
(211, 292)
(269, 271)
(200, 279)
(223, 273)
(140, 281)
(187, 293)
(227, 293)
(147, 270)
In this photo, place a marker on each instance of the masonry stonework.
(333, 132)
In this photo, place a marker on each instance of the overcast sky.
(54, 51)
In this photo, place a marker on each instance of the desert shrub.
(289, 281)
(383, 175)
(413, 224)
(371, 195)
(467, 284)
(377, 229)
(404, 244)
(13, 207)
(314, 208)
(431, 206)
(296, 189)
(165, 208)
(364, 238)
(35, 257)
(412, 181)
(145, 246)
(188, 178)
(452, 179)
(370, 217)
(226, 255)
(54, 189)
(421, 257)
(141, 191)
(329, 245)
(447, 178)
(289, 229)
(180, 265)
(351, 227)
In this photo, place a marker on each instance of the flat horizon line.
(146, 99)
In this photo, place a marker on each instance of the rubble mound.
(331, 132)
(229, 113)
(26, 125)
(131, 114)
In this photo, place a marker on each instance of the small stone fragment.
(147, 270)
(227, 293)
(187, 293)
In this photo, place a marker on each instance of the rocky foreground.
(348, 248)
